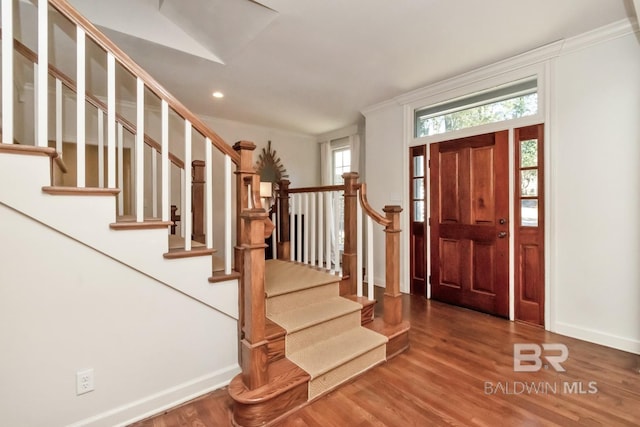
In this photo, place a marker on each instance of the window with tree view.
(499, 104)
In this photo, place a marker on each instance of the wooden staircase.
(302, 332)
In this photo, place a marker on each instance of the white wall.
(596, 201)
(593, 200)
(65, 307)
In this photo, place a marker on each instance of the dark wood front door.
(470, 222)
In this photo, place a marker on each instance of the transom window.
(507, 102)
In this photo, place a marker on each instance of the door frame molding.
(541, 68)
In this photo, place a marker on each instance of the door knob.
(502, 234)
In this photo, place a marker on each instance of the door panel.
(470, 222)
(418, 226)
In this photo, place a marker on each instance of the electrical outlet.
(84, 381)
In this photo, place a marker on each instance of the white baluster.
(7, 72)
(312, 226)
(59, 117)
(36, 128)
(42, 122)
(299, 229)
(111, 122)
(100, 148)
(274, 237)
(359, 233)
(227, 214)
(154, 183)
(306, 228)
(80, 107)
(120, 169)
(292, 246)
(165, 171)
(186, 217)
(370, 273)
(140, 150)
(329, 225)
(182, 202)
(336, 233)
(208, 185)
(321, 229)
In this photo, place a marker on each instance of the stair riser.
(330, 380)
(322, 331)
(301, 297)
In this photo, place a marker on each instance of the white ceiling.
(310, 66)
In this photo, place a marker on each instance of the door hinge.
(429, 279)
(428, 163)
(429, 221)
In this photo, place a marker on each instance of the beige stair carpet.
(324, 334)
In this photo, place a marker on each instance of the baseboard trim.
(162, 401)
(598, 337)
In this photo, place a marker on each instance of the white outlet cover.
(84, 381)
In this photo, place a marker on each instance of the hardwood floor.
(459, 371)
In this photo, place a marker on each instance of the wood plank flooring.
(459, 371)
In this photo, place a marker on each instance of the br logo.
(528, 357)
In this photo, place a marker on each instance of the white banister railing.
(122, 160)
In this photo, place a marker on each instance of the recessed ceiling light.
(218, 94)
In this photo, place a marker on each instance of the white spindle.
(327, 230)
(80, 106)
(42, 137)
(306, 228)
(111, 122)
(165, 171)
(186, 214)
(358, 249)
(120, 169)
(274, 237)
(292, 246)
(7, 72)
(370, 273)
(100, 148)
(227, 215)
(320, 211)
(208, 191)
(336, 233)
(140, 150)
(59, 117)
(312, 226)
(299, 242)
(182, 202)
(154, 183)
(36, 128)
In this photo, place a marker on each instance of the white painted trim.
(120, 159)
(321, 234)
(359, 251)
(598, 337)
(338, 133)
(370, 271)
(154, 183)
(59, 111)
(512, 228)
(159, 402)
(599, 35)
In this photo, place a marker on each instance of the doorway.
(469, 222)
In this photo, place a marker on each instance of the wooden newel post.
(245, 169)
(284, 244)
(254, 343)
(392, 297)
(350, 256)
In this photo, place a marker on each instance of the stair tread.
(323, 356)
(313, 314)
(284, 277)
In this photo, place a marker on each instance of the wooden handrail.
(320, 189)
(101, 40)
(68, 82)
(385, 222)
